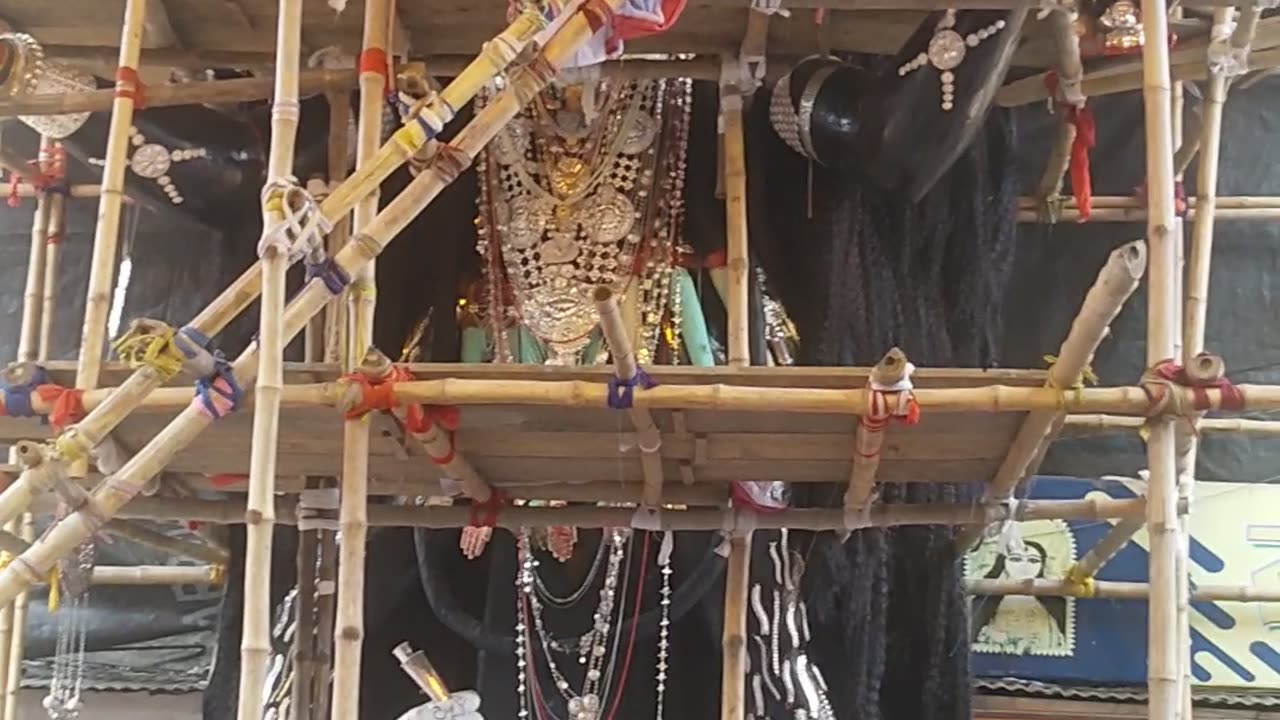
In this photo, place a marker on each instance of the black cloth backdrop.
(178, 266)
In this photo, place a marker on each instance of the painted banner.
(1235, 540)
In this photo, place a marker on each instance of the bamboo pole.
(893, 371)
(1266, 428)
(1115, 283)
(738, 576)
(33, 295)
(74, 191)
(17, 648)
(107, 229)
(1114, 590)
(7, 634)
(737, 584)
(104, 415)
(1163, 676)
(52, 251)
(231, 512)
(255, 645)
(627, 369)
(348, 630)
(735, 205)
(450, 160)
(1120, 400)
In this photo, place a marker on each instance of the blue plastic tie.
(335, 279)
(205, 387)
(622, 392)
(17, 398)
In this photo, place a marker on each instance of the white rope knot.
(293, 222)
(1010, 538)
(857, 518)
(647, 518)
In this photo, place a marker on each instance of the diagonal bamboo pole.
(451, 159)
(75, 443)
(1163, 668)
(627, 368)
(348, 628)
(255, 644)
(1116, 282)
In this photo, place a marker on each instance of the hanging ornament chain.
(64, 699)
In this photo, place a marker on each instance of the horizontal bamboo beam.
(1123, 400)
(1131, 209)
(158, 575)
(1083, 422)
(231, 512)
(25, 190)
(314, 82)
(1114, 590)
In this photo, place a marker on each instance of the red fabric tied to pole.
(1086, 137)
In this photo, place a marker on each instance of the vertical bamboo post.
(255, 646)
(353, 513)
(735, 207)
(17, 646)
(1162, 512)
(106, 232)
(1193, 330)
(737, 580)
(52, 248)
(33, 294)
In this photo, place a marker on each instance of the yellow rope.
(1086, 377)
(1078, 584)
(154, 350)
(55, 593)
(217, 574)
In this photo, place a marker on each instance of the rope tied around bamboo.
(890, 395)
(295, 224)
(50, 176)
(372, 388)
(1184, 391)
(1085, 377)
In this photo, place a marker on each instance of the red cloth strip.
(374, 60)
(129, 85)
(67, 405)
(485, 514)
(1086, 138)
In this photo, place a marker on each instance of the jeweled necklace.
(593, 646)
(572, 599)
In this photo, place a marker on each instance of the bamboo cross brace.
(193, 549)
(107, 412)
(1084, 569)
(1115, 590)
(626, 368)
(1270, 428)
(436, 442)
(892, 370)
(1115, 283)
(450, 161)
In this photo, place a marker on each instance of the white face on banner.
(464, 705)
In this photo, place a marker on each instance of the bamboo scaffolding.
(317, 82)
(348, 628)
(1115, 590)
(7, 635)
(107, 228)
(33, 294)
(335, 315)
(1120, 400)
(17, 648)
(893, 370)
(25, 190)
(1133, 209)
(52, 252)
(735, 205)
(627, 369)
(1163, 666)
(1115, 283)
(108, 412)
(326, 611)
(450, 160)
(255, 644)
(1267, 428)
